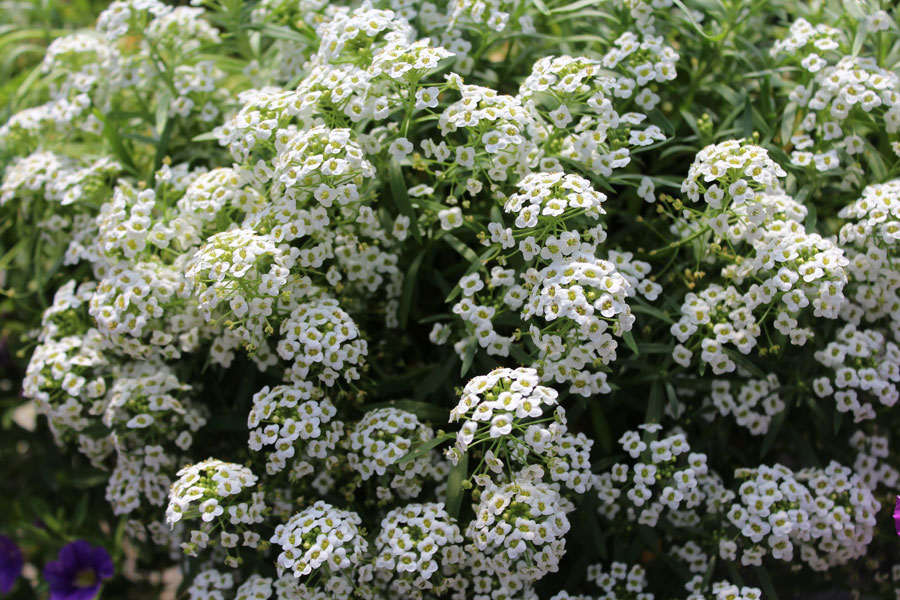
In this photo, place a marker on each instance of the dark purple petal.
(75, 593)
(897, 516)
(103, 563)
(66, 576)
(10, 564)
(57, 575)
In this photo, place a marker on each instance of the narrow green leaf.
(629, 341)
(654, 403)
(838, 419)
(539, 4)
(601, 428)
(774, 429)
(787, 122)
(812, 216)
(747, 118)
(472, 268)
(733, 574)
(462, 249)
(520, 355)
(660, 120)
(455, 489)
(707, 577)
(862, 29)
(646, 309)
(424, 410)
(766, 583)
(673, 398)
(112, 136)
(409, 286)
(209, 136)
(574, 6)
(401, 198)
(468, 358)
(690, 18)
(655, 348)
(423, 449)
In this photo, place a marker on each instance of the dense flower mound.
(479, 299)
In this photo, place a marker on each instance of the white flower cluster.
(320, 538)
(299, 424)
(505, 412)
(863, 365)
(379, 440)
(56, 178)
(600, 137)
(787, 269)
(620, 581)
(828, 513)
(753, 402)
(572, 302)
(641, 59)
(839, 91)
(520, 527)
(416, 546)
(67, 375)
(495, 131)
(666, 475)
(149, 397)
(869, 241)
(500, 401)
(547, 197)
(730, 174)
(871, 464)
(320, 338)
(218, 493)
(145, 310)
(721, 590)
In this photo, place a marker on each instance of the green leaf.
(283, 33)
(423, 410)
(629, 341)
(673, 398)
(774, 429)
(747, 118)
(520, 355)
(690, 18)
(646, 309)
(707, 577)
(765, 583)
(660, 120)
(787, 122)
(401, 198)
(539, 4)
(112, 136)
(862, 29)
(209, 136)
(469, 357)
(838, 419)
(812, 216)
(601, 428)
(455, 489)
(574, 6)
(423, 449)
(654, 403)
(472, 268)
(462, 249)
(733, 574)
(409, 286)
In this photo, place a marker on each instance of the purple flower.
(897, 516)
(78, 573)
(10, 563)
